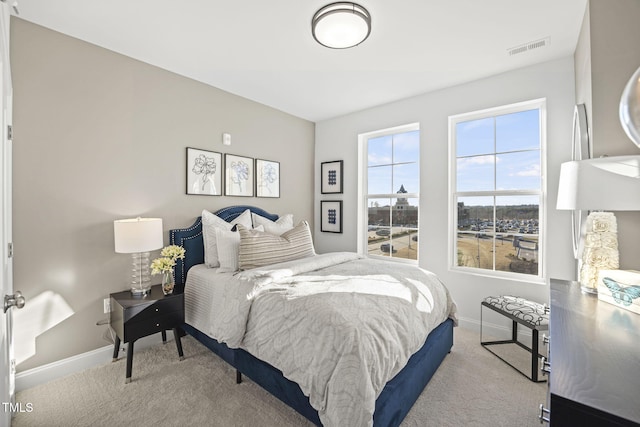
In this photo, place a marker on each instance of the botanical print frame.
(204, 172)
(331, 216)
(239, 175)
(267, 178)
(331, 177)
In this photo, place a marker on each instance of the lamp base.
(140, 292)
(141, 276)
(588, 290)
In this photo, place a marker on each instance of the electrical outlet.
(107, 305)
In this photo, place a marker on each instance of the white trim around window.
(363, 196)
(454, 195)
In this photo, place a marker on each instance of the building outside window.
(496, 187)
(391, 180)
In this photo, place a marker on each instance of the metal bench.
(530, 314)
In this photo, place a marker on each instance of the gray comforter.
(339, 325)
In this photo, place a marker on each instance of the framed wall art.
(331, 177)
(267, 178)
(239, 176)
(204, 172)
(331, 216)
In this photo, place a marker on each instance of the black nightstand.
(136, 316)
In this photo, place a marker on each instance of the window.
(390, 171)
(496, 185)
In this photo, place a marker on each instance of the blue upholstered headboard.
(191, 239)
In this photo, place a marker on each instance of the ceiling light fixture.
(341, 25)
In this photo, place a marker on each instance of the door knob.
(16, 300)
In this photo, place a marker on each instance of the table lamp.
(138, 236)
(606, 183)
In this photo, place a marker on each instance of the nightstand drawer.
(137, 329)
(158, 308)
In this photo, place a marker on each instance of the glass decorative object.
(167, 282)
(630, 108)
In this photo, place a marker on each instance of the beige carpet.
(471, 388)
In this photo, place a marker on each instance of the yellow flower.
(162, 265)
(173, 251)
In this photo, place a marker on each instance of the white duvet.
(339, 325)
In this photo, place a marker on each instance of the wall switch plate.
(107, 305)
(226, 138)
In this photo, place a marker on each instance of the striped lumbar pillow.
(258, 249)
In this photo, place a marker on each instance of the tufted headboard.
(190, 238)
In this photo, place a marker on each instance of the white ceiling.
(264, 50)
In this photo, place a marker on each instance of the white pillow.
(228, 243)
(211, 222)
(277, 227)
(259, 249)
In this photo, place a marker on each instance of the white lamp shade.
(607, 183)
(341, 25)
(137, 235)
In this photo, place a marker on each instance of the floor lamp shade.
(137, 237)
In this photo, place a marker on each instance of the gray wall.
(337, 139)
(606, 56)
(615, 55)
(100, 136)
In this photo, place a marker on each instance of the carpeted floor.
(471, 388)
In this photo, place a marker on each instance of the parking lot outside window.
(391, 178)
(497, 166)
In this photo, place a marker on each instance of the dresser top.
(595, 351)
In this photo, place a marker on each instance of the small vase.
(167, 283)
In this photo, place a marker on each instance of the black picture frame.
(239, 174)
(267, 178)
(331, 177)
(331, 216)
(204, 172)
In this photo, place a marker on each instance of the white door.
(9, 299)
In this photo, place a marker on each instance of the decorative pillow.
(228, 243)
(210, 223)
(277, 227)
(258, 249)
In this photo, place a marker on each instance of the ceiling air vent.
(529, 46)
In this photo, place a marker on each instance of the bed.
(257, 341)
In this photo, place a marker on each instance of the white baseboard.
(100, 356)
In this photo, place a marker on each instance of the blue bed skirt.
(395, 400)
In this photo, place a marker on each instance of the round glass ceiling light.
(630, 108)
(341, 25)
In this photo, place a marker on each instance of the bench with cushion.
(530, 314)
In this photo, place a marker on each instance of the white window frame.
(363, 196)
(539, 104)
